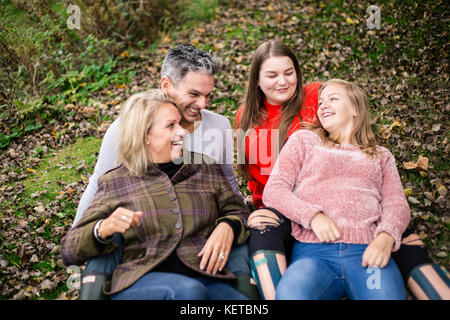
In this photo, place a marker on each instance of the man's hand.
(119, 221)
(324, 228)
(378, 252)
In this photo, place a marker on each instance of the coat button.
(173, 198)
(177, 225)
(176, 210)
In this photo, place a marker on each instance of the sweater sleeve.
(105, 162)
(215, 139)
(228, 157)
(232, 209)
(395, 209)
(279, 191)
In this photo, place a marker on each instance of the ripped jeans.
(274, 235)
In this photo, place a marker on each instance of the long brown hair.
(254, 111)
(362, 134)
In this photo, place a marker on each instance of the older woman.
(178, 221)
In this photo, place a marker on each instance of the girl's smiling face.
(336, 113)
(277, 79)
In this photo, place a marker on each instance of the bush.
(44, 64)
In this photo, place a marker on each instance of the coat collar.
(192, 162)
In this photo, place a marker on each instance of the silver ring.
(124, 218)
(222, 255)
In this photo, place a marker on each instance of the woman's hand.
(217, 248)
(324, 228)
(119, 221)
(378, 252)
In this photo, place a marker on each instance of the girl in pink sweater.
(345, 199)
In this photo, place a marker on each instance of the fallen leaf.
(395, 124)
(421, 163)
(407, 191)
(442, 190)
(218, 46)
(39, 209)
(47, 285)
(413, 200)
(436, 127)
(409, 165)
(385, 133)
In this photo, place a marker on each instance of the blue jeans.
(328, 271)
(238, 260)
(172, 286)
(106, 263)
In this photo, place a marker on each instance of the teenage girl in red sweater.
(269, 115)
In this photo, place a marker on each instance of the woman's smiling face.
(336, 113)
(165, 137)
(277, 79)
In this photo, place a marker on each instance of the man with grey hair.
(187, 77)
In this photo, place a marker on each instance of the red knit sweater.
(261, 157)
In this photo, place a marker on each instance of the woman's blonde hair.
(136, 119)
(362, 134)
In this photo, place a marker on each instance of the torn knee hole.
(264, 226)
(413, 239)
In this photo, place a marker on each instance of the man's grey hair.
(184, 58)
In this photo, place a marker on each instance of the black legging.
(272, 238)
(280, 239)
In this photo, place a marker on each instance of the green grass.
(49, 177)
(48, 174)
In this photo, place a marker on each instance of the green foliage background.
(61, 88)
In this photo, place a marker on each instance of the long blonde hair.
(361, 134)
(136, 119)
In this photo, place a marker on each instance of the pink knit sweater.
(362, 196)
